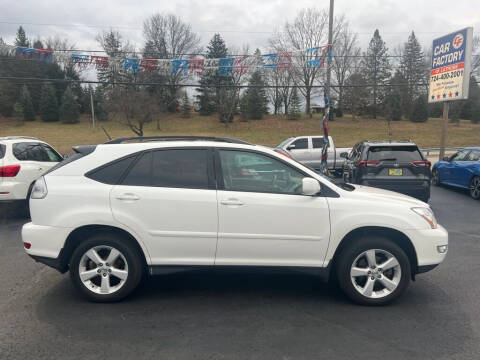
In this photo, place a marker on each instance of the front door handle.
(128, 197)
(235, 202)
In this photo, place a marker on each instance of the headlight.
(427, 214)
(39, 190)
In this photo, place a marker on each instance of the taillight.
(9, 170)
(368, 163)
(422, 163)
(282, 153)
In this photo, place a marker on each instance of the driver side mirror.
(291, 147)
(344, 155)
(310, 186)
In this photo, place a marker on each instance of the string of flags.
(314, 57)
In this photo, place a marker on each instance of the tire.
(102, 281)
(475, 187)
(435, 177)
(360, 287)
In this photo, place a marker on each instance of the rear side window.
(177, 168)
(3, 148)
(112, 172)
(394, 153)
(34, 151)
(317, 143)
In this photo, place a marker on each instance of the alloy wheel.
(103, 270)
(375, 273)
(475, 187)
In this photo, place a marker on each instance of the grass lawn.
(270, 131)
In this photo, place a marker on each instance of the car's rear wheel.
(373, 271)
(475, 187)
(435, 177)
(106, 267)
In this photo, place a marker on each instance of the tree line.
(373, 82)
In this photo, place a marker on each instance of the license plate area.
(395, 172)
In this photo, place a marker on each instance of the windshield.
(284, 142)
(394, 153)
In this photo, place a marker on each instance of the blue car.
(461, 169)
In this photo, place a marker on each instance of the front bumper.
(426, 243)
(45, 241)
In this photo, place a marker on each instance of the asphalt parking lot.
(210, 315)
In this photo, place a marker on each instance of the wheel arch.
(75, 238)
(398, 237)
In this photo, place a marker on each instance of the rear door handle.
(231, 202)
(128, 197)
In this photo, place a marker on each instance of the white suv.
(114, 211)
(22, 161)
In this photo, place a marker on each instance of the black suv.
(391, 165)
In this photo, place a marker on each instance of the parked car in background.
(308, 151)
(22, 161)
(172, 203)
(462, 169)
(392, 165)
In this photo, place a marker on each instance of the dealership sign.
(450, 66)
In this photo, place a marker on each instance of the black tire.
(355, 249)
(127, 249)
(435, 177)
(475, 188)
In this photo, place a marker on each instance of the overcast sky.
(240, 22)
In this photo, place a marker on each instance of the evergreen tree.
(208, 95)
(420, 110)
(21, 39)
(185, 106)
(27, 105)
(99, 104)
(294, 106)
(38, 44)
(18, 112)
(377, 69)
(256, 97)
(49, 104)
(413, 70)
(475, 113)
(69, 108)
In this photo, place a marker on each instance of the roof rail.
(176, 138)
(18, 137)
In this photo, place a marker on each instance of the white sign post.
(450, 72)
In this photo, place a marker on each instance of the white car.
(22, 161)
(181, 202)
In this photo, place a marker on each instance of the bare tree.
(308, 30)
(346, 54)
(475, 71)
(168, 37)
(132, 107)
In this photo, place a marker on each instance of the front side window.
(300, 144)
(460, 156)
(177, 168)
(248, 171)
(473, 156)
(34, 151)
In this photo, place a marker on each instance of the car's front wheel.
(373, 271)
(106, 267)
(435, 177)
(475, 187)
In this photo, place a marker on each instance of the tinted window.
(246, 171)
(34, 151)
(141, 173)
(185, 168)
(112, 172)
(300, 144)
(460, 156)
(473, 156)
(317, 143)
(284, 142)
(394, 153)
(2, 150)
